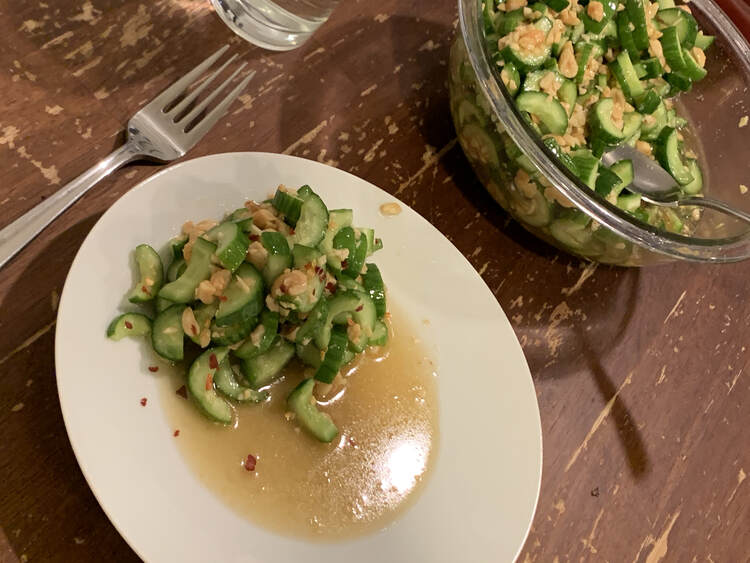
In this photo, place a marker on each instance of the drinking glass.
(279, 25)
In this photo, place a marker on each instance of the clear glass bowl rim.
(695, 249)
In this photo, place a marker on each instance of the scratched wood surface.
(640, 374)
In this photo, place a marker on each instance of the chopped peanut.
(567, 63)
(595, 10)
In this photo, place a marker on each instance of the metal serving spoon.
(655, 185)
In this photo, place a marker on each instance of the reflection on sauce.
(387, 419)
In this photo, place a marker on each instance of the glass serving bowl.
(495, 138)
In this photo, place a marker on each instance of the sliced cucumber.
(313, 219)
(478, 145)
(364, 315)
(602, 126)
(231, 244)
(290, 206)
(650, 128)
(629, 202)
(176, 269)
(622, 68)
(261, 337)
(182, 290)
(128, 324)
(525, 62)
(337, 220)
(162, 304)
(344, 302)
(355, 244)
(374, 287)
(549, 111)
(227, 384)
(243, 297)
(227, 335)
(667, 151)
(150, 275)
(302, 404)
(304, 255)
(167, 336)
(265, 368)
(315, 321)
(203, 313)
(693, 70)
(696, 185)
(200, 383)
(637, 15)
(587, 165)
(279, 256)
(243, 217)
(703, 41)
(379, 334)
(176, 245)
(625, 35)
(672, 48)
(334, 356)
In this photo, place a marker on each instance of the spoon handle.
(715, 204)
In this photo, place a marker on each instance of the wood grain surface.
(641, 375)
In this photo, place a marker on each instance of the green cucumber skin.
(317, 423)
(150, 275)
(167, 336)
(334, 356)
(270, 322)
(201, 387)
(243, 297)
(226, 383)
(264, 369)
(182, 290)
(140, 325)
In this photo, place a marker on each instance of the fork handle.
(21, 232)
(716, 205)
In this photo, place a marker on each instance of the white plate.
(478, 502)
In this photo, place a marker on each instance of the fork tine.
(181, 85)
(202, 127)
(196, 111)
(179, 108)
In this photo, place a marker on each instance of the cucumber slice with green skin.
(667, 149)
(364, 315)
(231, 334)
(622, 68)
(259, 342)
(203, 314)
(343, 302)
(593, 26)
(583, 53)
(305, 301)
(356, 244)
(302, 403)
(243, 218)
(651, 68)
(650, 128)
(672, 48)
(226, 383)
(243, 297)
(535, 210)
(666, 4)
(648, 102)
(692, 69)
(379, 334)
(637, 15)
(574, 234)
(176, 245)
(288, 205)
(512, 80)
(629, 202)
(334, 356)
(687, 27)
(625, 35)
(587, 165)
(314, 322)
(511, 21)
(624, 169)
(150, 275)
(602, 126)
(176, 269)
(467, 112)
(349, 283)
(568, 93)
(279, 256)
(313, 219)
(478, 145)
(525, 62)
(337, 220)
(182, 290)
(369, 234)
(231, 244)
(304, 255)
(265, 368)
(344, 240)
(162, 304)
(374, 287)
(309, 354)
(553, 146)
(167, 336)
(557, 5)
(531, 82)
(607, 181)
(703, 41)
(549, 111)
(200, 383)
(128, 324)
(696, 185)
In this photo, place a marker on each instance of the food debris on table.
(144, 400)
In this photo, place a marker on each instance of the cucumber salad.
(242, 297)
(587, 75)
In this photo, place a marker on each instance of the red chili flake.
(291, 231)
(128, 325)
(330, 286)
(153, 369)
(222, 297)
(254, 238)
(144, 289)
(213, 363)
(358, 309)
(182, 392)
(144, 401)
(313, 292)
(209, 381)
(344, 264)
(377, 241)
(176, 433)
(250, 462)
(194, 330)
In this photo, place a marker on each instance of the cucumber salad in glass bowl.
(269, 282)
(583, 76)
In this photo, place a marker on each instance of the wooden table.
(641, 375)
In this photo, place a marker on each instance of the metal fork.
(160, 131)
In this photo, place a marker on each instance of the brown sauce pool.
(369, 475)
